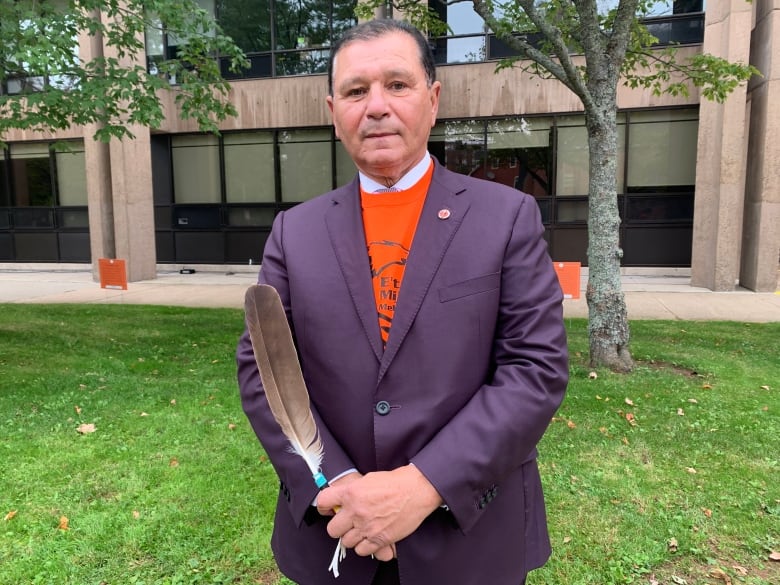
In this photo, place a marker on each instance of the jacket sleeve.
(298, 485)
(498, 428)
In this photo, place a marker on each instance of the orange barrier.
(113, 273)
(569, 278)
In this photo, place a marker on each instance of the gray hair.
(374, 29)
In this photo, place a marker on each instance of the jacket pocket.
(469, 287)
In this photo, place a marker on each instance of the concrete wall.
(469, 90)
(761, 226)
(721, 152)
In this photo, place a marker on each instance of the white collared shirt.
(408, 181)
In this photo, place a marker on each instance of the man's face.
(382, 107)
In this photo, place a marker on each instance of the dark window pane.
(247, 22)
(661, 208)
(302, 62)
(259, 66)
(5, 195)
(572, 210)
(73, 218)
(33, 218)
(251, 216)
(32, 182)
(545, 205)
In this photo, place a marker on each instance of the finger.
(352, 538)
(325, 511)
(339, 525)
(386, 553)
(371, 546)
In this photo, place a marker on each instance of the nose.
(376, 104)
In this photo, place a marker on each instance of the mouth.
(377, 134)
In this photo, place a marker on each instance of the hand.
(378, 509)
(342, 481)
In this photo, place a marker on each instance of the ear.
(329, 101)
(435, 92)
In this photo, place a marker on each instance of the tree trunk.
(608, 329)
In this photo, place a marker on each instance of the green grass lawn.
(668, 475)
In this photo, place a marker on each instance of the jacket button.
(382, 407)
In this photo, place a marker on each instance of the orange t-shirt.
(390, 220)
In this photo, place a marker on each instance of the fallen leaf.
(707, 512)
(603, 430)
(173, 402)
(774, 556)
(86, 428)
(629, 402)
(173, 462)
(741, 571)
(136, 514)
(721, 575)
(144, 414)
(631, 419)
(679, 580)
(693, 401)
(690, 470)
(672, 544)
(598, 397)
(680, 412)
(625, 440)
(707, 386)
(566, 539)
(593, 375)
(63, 525)
(231, 426)
(765, 387)
(77, 408)
(10, 515)
(570, 424)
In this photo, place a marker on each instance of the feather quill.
(285, 388)
(280, 372)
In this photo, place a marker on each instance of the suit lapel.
(441, 216)
(345, 228)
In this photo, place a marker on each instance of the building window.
(5, 191)
(572, 156)
(249, 167)
(466, 40)
(662, 151)
(196, 173)
(345, 167)
(527, 141)
(305, 163)
(31, 175)
(71, 177)
(279, 37)
(459, 145)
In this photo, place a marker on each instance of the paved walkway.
(648, 296)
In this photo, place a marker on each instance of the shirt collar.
(408, 181)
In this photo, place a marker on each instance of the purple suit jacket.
(474, 369)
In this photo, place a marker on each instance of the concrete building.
(698, 187)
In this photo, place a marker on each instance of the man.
(429, 327)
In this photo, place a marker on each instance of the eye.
(355, 92)
(397, 86)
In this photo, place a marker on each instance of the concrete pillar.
(721, 153)
(131, 185)
(119, 186)
(761, 231)
(100, 206)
